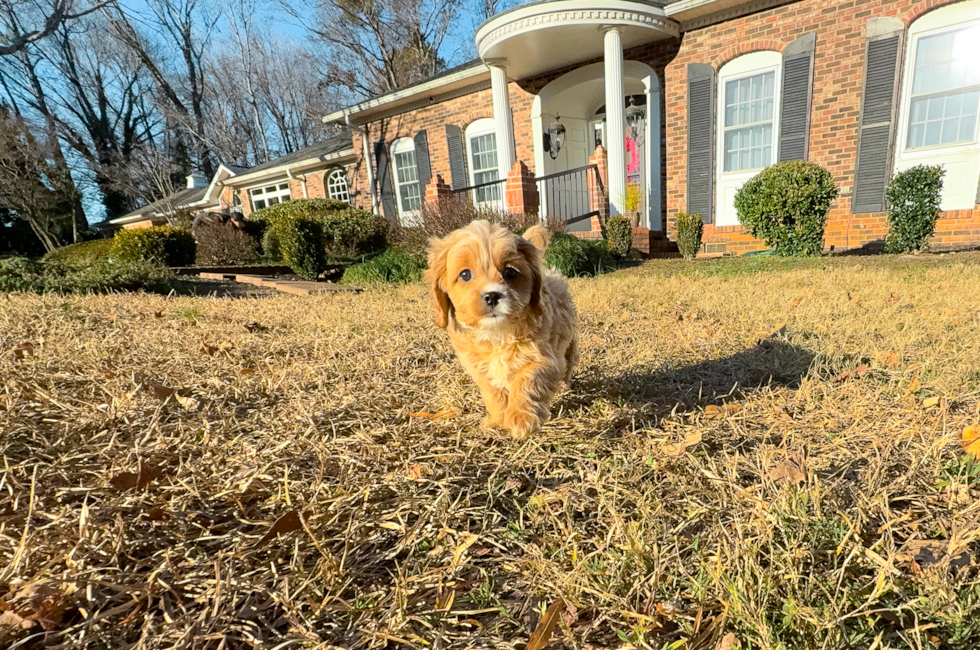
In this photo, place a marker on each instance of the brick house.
(574, 101)
(321, 170)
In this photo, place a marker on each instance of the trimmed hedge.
(619, 235)
(43, 276)
(81, 254)
(301, 243)
(913, 198)
(220, 244)
(160, 245)
(348, 233)
(575, 257)
(786, 205)
(690, 229)
(394, 265)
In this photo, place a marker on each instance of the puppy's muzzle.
(491, 298)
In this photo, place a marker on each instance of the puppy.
(511, 320)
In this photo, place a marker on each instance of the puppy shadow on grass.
(771, 362)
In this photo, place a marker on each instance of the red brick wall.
(838, 68)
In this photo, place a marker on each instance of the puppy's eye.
(510, 273)
(465, 275)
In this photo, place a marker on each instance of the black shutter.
(794, 119)
(422, 160)
(457, 156)
(876, 131)
(384, 182)
(700, 139)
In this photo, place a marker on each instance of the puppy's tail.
(539, 236)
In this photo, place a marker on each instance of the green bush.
(39, 276)
(619, 235)
(392, 266)
(913, 198)
(301, 244)
(160, 245)
(221, 244)
(690, 228)
(347, 232)
(574, 257)
(786, 205)
(82, 254)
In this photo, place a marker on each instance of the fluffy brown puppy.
(511, 320)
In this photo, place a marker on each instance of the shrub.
(160, 245)
(786, 205)
(913, 207)
(20, 274)
(574, 257)
(619, 235)
(393, 265)
(451, 214)
(690, 228)
(301, 243)
(224, 244)
(82, 254)
(346, 232)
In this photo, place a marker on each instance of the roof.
(176, 200)
(331, 145)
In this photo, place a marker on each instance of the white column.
(506, 156)
(615, 119)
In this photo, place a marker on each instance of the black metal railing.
(488, 196)
(567, 196)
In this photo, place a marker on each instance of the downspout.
(289, 174)
(367, 161)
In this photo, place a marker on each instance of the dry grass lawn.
(758, 447)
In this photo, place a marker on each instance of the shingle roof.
(332, 145)
(178, 199)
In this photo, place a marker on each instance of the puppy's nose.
(491, 298)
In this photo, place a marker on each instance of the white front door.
(747, 128)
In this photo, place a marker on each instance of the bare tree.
(148, 173)
(25, 22)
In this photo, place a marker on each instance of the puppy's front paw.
(492, 422)
(522, 423)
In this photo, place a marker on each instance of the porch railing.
(488, 196)
(570, 196)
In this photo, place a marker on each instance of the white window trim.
(477, 128)
(965, 155)
(326, 184)
(278, 193)
(747, 65)
(404, 145)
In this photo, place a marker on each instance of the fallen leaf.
(157, 389)
(713, 412)
(796, 303)
(728, 642)
(679, 448)
(820, 329)
(252, 326)
(156, 514)
(468, 540)
(779, 330)
(158, 314)
(894, 299)
(945, 284)
(11, 620)
(441, 415)
(209, 350)
(225, 345)
(39, 603)
(247, 371)
(888, 358)
(924, 552)
(286, 524)
(930, 402)
(790, 471)
(126, 481)
(860, 371)
(970, 439)
(23, 350)
(542, 634)
(416, 471)
(188, 403)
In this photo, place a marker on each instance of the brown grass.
(815, 511)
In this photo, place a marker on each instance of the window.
(481, 138)
(337, 185)
(263, 197)
(748, 121)
(747, 128)
(945, 89)
(408, 191)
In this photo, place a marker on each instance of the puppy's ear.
(438, 252)
(534, 259)
(539, 236)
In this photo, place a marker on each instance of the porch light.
(635, 116)
(556, 137)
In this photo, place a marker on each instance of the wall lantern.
(556, 137)
(635, 116)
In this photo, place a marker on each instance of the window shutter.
(384, 182)
(700, 139)
(457, 156)
(422, 160)
(794, 119)
(876, 131)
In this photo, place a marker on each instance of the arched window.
(481, 153)
(337, 187)
(408, 191)
(941, 100)
(748, 124)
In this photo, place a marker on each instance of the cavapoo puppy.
(511, 320)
